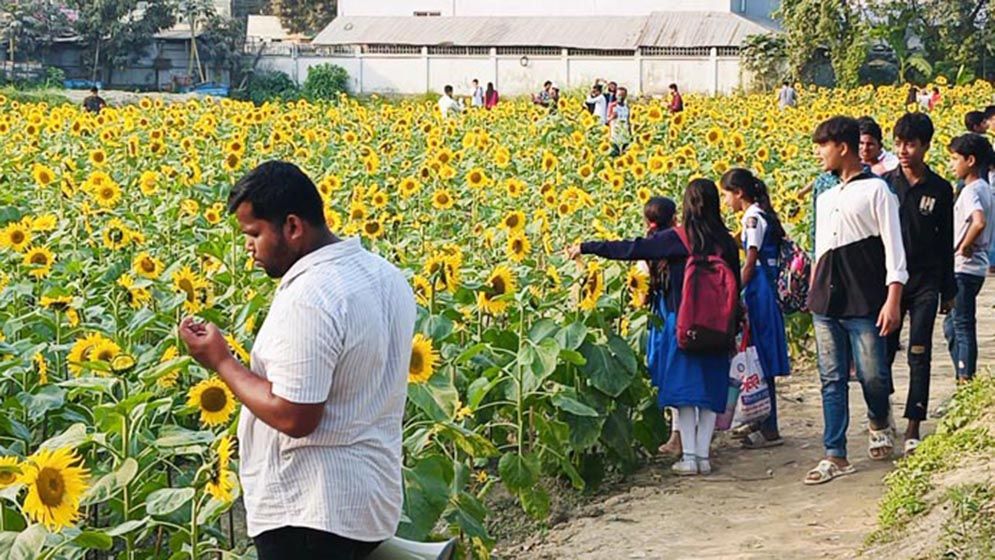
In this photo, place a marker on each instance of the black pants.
(920, 301)
(299, 543)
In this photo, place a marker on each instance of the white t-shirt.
(448, 105)
(973, 197)
(754, 230)
(478, 97)
(338, 332)
(600, 107)
(888, 161)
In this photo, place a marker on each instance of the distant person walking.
(93, 102)
(787, 96)
(676, 101)
(477, 97)
(597, 104)
(447, 105)
(618, 119)
(490, 96)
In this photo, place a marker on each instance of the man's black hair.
(673, 87)
(277, 189)
(973, 120)
(787, 83)
(839, 129)
(914, 126)
(448, 90)
(598, 88)
(547, 83)
(871, 128)
(93, 89)
(989, 111)
(976, 145)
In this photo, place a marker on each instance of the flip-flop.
(910, 445)
(826, 471)
(878, 441)
(744, 431)
(757, 440)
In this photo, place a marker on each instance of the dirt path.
(755, 506)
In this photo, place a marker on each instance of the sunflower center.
(497, 283)
(417, 362)
(7, 478)
(147, 265)
(39, 259)
(51, 487)
(213, 399)
(17, 237)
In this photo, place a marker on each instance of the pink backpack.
(709, 313)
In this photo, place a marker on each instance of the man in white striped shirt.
(320, 428)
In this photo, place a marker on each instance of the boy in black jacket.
(926, 212)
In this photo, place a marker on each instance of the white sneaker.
(704, 466)
(685, 467)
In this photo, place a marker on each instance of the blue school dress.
(760, 294)
(682, 379)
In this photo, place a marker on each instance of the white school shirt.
(448, 105)
(754, 230)
(338, 332)
(600, 107)
(976, 196)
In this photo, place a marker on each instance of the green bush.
(325, 81)
(271, 86)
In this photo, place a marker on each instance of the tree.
(221, 43)
(118, 32)
(835, 27)
(29, 27)
(765, 57)
(304, 16)
(957, 34)
(900, 25)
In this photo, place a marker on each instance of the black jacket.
(926, 210)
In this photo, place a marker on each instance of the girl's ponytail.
(755, 190)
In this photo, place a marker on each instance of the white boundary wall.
(529, 7)
(700, 70)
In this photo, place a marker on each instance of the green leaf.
(426, 494)
(165, 368)
(437, 328)
(545, 356)
(617, 435)
(28, 544)
(471, 443)
(468, 354)
(606, 372)
(48, 398)
(128, 526)
(535, 501)
(13, 427)
(469, 515)
(623, 353)
(94, 540)
(72, 437)
(477, 390)
(167, 500)
(572, 356)
(567, 403)
(175, 436)
(584, 430)
(572, 336)
(543, 329)
(518, 472)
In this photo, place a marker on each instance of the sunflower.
(442, 199)
(146, 266)
(55, 482)
(105, 351)
(214, 400)
(423, 359)
(232, 161)
(107, 195)
(422, 289)
(116, 235)
(518, 247)
(214, 213)
(41, 367)
(592, 288)
(138, 297)
(39, 261)
(193, 286)
(379, 199)
(221, 485)
(10, 470)
(638, 283)
(43, 174)
(16, 236)
(45, 222)
(500, 282)
(56, 303)
(373, 229)
(476, 178)
(713, 136)
(514, 221)
(98, 157)
(168, 381)
(81, 350)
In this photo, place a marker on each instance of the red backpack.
(709, 314)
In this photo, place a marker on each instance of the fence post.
(428, 81)
(713, 65)
(565, 55)
(294, 55)
(494, 65)
(358, 53)
(639, 71)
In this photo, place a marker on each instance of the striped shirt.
(338, 332)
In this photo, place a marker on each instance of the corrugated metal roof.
(667, 29)
(265, 27)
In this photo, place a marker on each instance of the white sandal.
(704, 466)
(827, 470)
(911, 445)
(685, 467)
(879, 440)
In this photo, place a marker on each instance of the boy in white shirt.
(448, 105)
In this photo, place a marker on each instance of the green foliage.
(325, 81)
(33, 25)
(836, 28)
(970, 532)
(908, 485)
(116, 32)
(307, 16)
(271, 86)
(765, 57)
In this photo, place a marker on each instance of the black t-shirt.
(94, 103)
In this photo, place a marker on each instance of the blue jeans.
(961, 326)
(838, 341)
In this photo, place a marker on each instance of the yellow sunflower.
(442, 199)
(39, 261)
(638, 283)
(16, 236)
(423, 359)
(98, 157)
(592, 288)
(422, 289)
(221, 485)
(514, 221)
(43, 174)
(500, 282)
(45, 222)
(56, 303)
(55, 482)
(193, 287)
(146, 266)
(10, 471)
(107, 195)
(373, 229)
(518, 247)
(476, 178)
(213, 399)
(116, 235)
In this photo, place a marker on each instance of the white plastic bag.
(754, 394)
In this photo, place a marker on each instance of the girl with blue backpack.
(762, 237)
(694, 367)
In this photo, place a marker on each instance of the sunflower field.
(525, 367)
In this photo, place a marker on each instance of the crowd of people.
(891, 238)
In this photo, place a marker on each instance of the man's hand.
(888, 318)
(966, 251)
(573, 251)
(946, 306)
(205, 343)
